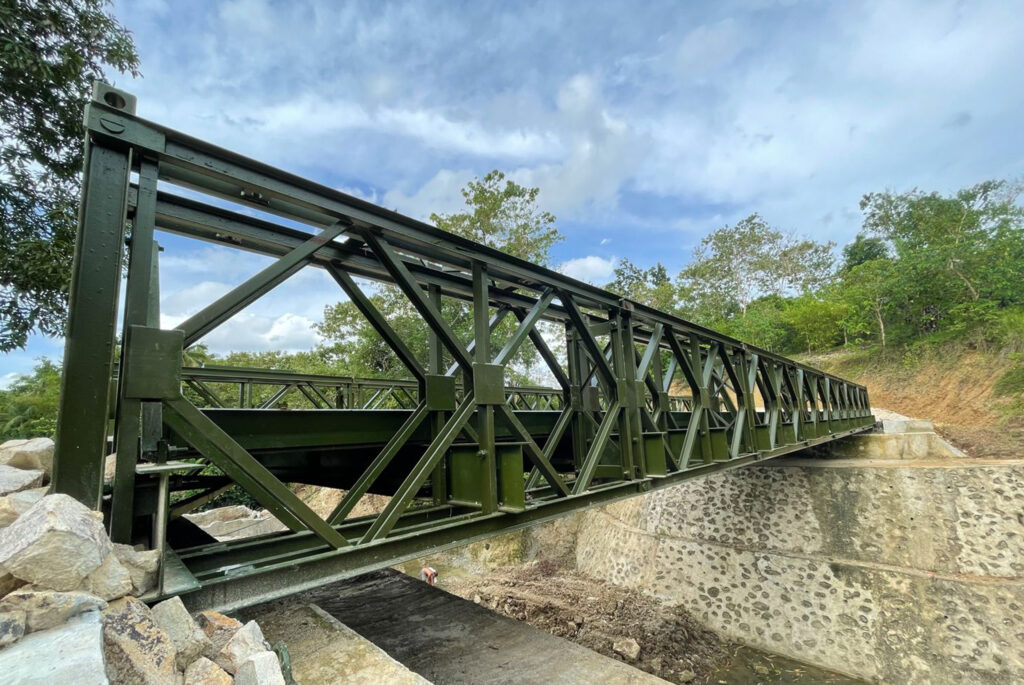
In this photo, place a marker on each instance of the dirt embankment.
(951, 385)
(672, 645)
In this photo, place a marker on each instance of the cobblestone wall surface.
(897, 571)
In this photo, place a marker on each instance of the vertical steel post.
(92, 315)
(574, 361)
(485, 412)
(630, 423)
(435, 365)
(128, 425)
(152, 421)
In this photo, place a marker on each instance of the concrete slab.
(324, 651)
(451, 641)
(910, 444)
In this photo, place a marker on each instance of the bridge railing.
(225, 387)
(466, 459)
(248, 388)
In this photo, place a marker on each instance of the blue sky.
(646, 125)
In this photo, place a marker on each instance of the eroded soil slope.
(952, 386)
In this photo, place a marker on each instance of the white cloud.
(193, 276)
(708, 48)
(8, 379)
(630, 118)
(441, 194)
(592, 269)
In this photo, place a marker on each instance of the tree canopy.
(924, 264)
(737, 264)
(50, 53)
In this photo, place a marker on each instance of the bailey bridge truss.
(640, 400)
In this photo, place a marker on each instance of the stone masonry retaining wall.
(893, 570)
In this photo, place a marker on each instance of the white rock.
(46, 609)
(219, 628)
(55, 544)
(14, 479)
(202, 671)
(246, 642)
(36, 453)
(72, 653)
(12, 627)
(260, 669)
(111, 580)
(142, 566)
(135, 648)
(627, 647)
(12, 443)
(17, 503)
(235, 522)
(109, 467)
(189, 639)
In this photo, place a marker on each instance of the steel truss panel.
(644, 399)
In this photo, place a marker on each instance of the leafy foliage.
(29, 407)
(863, 249)
(50, 53)
(737, 264)
(651, 286)
(926, 267)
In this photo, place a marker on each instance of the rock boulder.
(218, 628)
(111, 580)
(55, 544)
(48, 609)
(15, 480)
(72, 653)
(260, 669)
(136, 649)
(141, 566)
(627, 647)
(189, 639)
(17, 503)
(202, 671)
(36, 454)
(244, 644)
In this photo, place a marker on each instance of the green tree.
(959, 256)
(736, 264)
(816, 322)
(504, 215)
(763, 324)
(29, 407)
(869, 289)
(651, 286)
(50, 53)
(499, 213)
(863, 249)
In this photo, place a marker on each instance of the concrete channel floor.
(449, 640)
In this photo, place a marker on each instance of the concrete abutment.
(902, 570)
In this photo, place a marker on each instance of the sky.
(645, 125)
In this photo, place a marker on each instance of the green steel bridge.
(460, 455)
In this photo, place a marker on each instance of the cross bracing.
(641, 399)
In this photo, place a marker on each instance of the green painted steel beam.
(473, 457)
(81, 443)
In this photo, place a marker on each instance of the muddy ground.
(596, 615)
